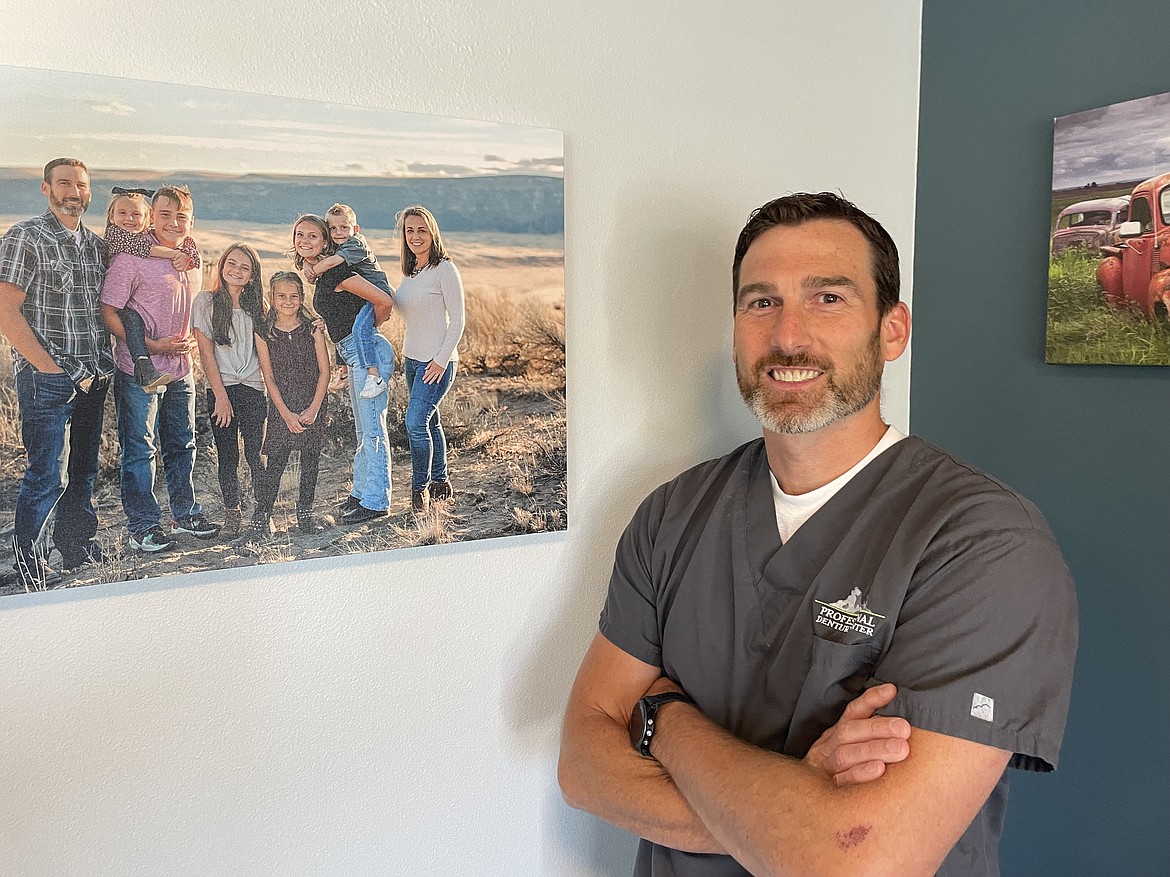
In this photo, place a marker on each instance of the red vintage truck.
(1136, 271)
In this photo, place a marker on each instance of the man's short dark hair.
(63, 162)
(803, 207)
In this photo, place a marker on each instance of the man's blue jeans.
(428, 443)
(371, 461)
(143, 417)
(61, 428)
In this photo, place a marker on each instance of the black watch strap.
(642, 720)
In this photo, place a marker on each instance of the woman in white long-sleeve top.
(430, 302)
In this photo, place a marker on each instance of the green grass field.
(1082, 329)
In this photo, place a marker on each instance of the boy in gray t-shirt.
(353, 250)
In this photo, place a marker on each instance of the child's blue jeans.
(363, 336)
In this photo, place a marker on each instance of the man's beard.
(812, 410)
(69, 207)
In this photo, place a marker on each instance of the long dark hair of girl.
(251, 300)
(305, 313)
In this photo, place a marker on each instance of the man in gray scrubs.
(764, 604)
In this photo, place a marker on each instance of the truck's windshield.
(1089, 217)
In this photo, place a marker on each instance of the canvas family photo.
(242, 329)
(1109, 255)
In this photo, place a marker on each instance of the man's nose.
(790, 330)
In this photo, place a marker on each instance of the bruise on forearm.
(847, 840)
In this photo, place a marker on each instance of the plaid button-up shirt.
(62, 281)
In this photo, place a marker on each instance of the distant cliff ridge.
(506, 203)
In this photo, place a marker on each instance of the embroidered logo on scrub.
(848, 615)
(982, 707)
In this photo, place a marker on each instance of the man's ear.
(895, 331)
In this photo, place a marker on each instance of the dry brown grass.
(434, 527)
(12, 457)
(521, 480)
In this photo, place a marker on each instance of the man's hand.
(174, 345)
(858, 747)
(20, 335)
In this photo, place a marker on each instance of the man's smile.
(793, 375)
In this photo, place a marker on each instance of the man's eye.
(760, 303)
(830, 298)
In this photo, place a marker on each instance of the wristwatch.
(642, 718)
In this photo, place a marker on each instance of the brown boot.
(440, 491)
(420, 501)
(232, 520)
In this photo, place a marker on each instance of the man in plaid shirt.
(51, 269)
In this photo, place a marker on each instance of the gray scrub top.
(920, 571)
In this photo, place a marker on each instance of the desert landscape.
(504, 418)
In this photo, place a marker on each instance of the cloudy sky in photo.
(1125, 141)
(123, 124)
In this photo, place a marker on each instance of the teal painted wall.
(1089, 444)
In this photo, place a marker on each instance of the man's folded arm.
(779, 816)
(600, 772)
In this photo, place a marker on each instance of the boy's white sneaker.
(373, 387)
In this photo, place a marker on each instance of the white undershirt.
(792, 511)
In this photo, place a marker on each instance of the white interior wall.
(398, 713)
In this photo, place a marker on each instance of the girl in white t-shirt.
(224, 319)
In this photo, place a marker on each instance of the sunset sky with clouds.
(116, 124)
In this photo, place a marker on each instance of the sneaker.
(152, 540)
(148, 377)
(339, 380)
(362, 514)
(197, 525)
(373, 387)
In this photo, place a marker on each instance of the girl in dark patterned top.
(295, 366)
(127, 224)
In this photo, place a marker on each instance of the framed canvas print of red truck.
(1109, 244)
